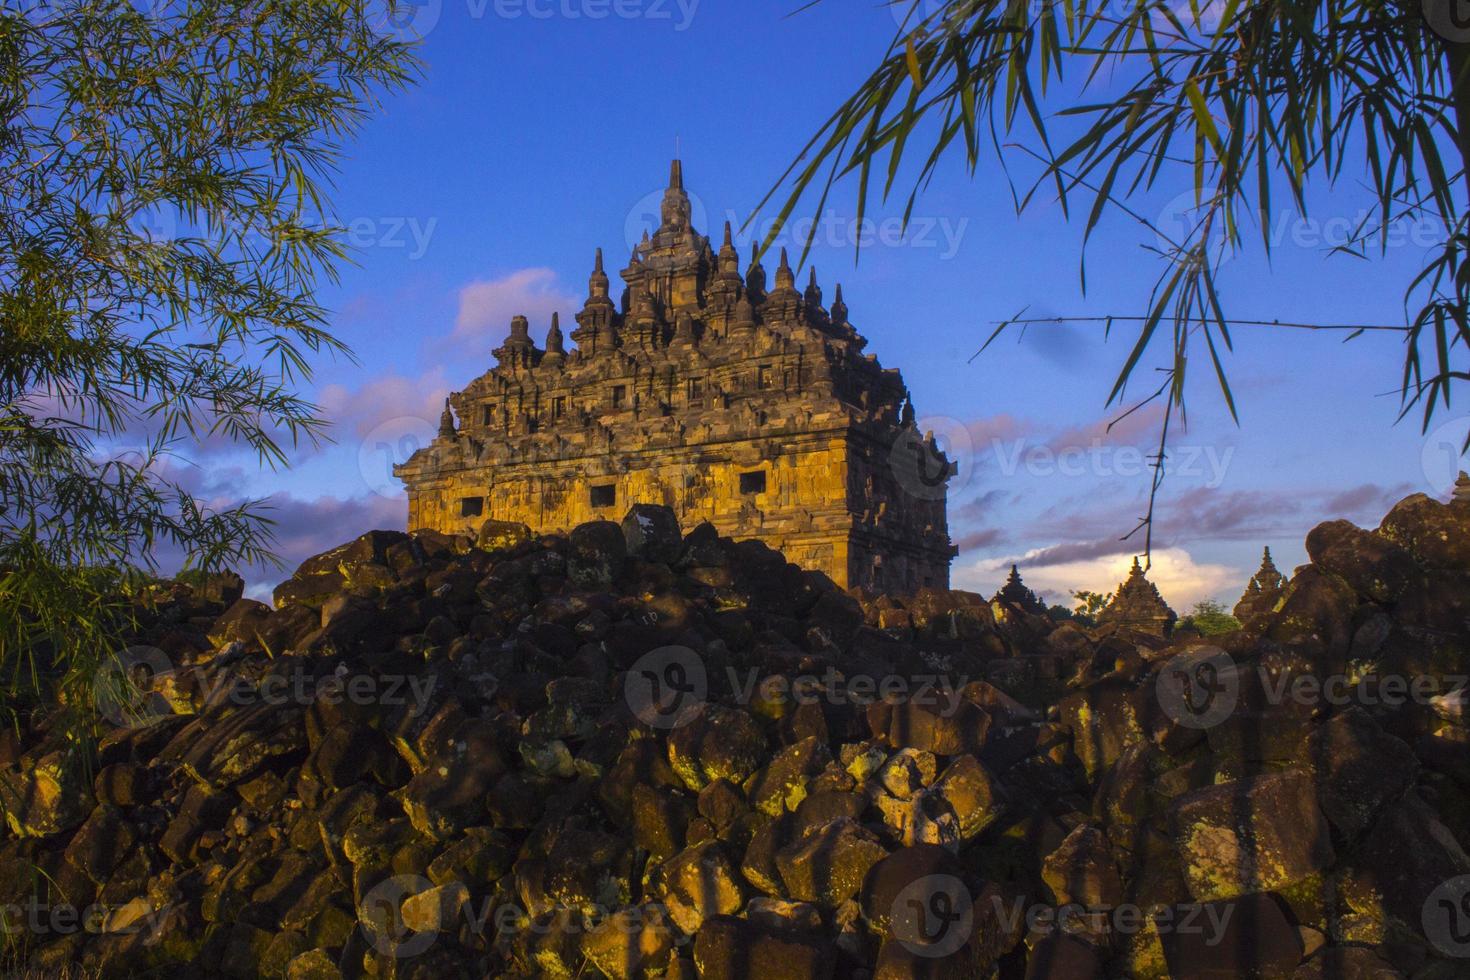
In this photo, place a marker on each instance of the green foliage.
(1209, 618)
(215, 123)
(1245, 101)
(1089, 605)
(1059, 613)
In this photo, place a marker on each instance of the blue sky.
(543, 129)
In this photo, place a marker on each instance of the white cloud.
(486, 306)
(381, 399)
(1181, 580)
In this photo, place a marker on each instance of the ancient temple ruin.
(1016, 593)
(1262, 591)
(1137, 605)
(748, 406)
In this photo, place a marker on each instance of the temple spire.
(813, 294)
(675, 211)
(755, 275)
(1462, 487)
(839, 308)
(785, 278)
(556, 351)
(446, 422)
(597, 282)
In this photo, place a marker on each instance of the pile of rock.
(633, 752)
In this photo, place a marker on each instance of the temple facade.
(746, 404)
(1137, 605)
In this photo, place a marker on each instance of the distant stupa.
(1016, 593)
(1137, 605)
(1262, 592)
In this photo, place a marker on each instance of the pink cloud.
(384, 398)
(486, 307)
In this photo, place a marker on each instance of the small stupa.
(1016, 593)
(1462, 488)
(1137, 605)
(1262, 591)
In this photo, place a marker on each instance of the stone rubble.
(634, 752)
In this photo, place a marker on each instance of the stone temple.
(749, 406)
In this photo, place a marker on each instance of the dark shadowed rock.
(1251, 936)
(1437, 534)
(596, 552)
(716, 743)
(502, 535)
(828, 865)
(1357, 768)
(652, 533)
(1250, 835)
(936, 720)
(1374, 566)
(728, 948)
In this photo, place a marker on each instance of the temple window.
(558, 407)
(603, 495)
(696, 389)
(763, 376)
(619, 395)
(471, 506)
(753, 482)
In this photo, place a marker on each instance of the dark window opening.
(763, 376)
(487, 415)
(558, 407)
(753, 482)
(471, 506)
(696, 389)
(604, 495)
(619, 395)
